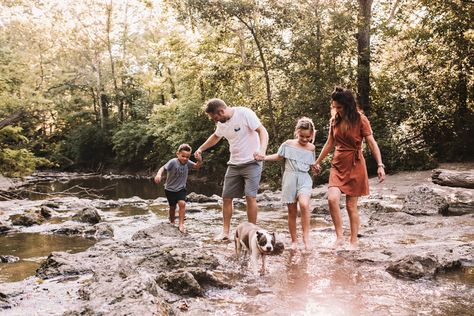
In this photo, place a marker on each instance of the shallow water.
(320, 282)
(111, 188)
(32, 248)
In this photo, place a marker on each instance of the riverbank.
(409, 254)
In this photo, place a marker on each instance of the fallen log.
(462, 179)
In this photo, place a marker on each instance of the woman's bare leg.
(334, 197)
(354, 219)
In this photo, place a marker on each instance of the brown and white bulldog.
(259, 242)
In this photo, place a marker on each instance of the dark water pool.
(32, 248)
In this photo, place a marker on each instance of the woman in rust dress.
(348, 175)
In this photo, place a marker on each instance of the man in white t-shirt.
(248, 139)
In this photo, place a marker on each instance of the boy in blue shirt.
(175, 186)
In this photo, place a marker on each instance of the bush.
(88, 146)
(132, 144)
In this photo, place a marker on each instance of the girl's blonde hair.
(305, 123)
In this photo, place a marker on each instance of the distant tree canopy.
(119, 85)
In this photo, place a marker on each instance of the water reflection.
(113, 188)
(31, 249)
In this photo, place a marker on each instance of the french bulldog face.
(265, 240)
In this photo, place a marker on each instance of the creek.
(322, 281)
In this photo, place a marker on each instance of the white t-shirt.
(239, 130)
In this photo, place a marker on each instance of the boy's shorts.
(242, 180)
(174, 197)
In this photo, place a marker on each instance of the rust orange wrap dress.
(348, 171)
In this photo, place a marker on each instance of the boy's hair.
(184, 147)
(305, 123)
(214, 105)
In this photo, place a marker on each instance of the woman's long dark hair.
(346, 99)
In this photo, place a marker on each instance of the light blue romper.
(296, 179)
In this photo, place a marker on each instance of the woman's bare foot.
(338, 243)
(354, 245)
(181, 229)
(294, 246)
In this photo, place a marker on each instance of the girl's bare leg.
(182, 210)
(334, 197)
(304, 201)
(292, 214)
(351, 205)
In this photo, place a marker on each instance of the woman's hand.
(381, 173)
(315, 168)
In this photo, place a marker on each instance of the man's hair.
(214, 105)
(184, 147)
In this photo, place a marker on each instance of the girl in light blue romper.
(297, 184)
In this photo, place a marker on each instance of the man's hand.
(259, 156)
(198, 154)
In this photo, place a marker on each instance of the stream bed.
(130, 272)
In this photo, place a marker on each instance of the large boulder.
(424, 201)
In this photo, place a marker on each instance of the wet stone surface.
(131, 261)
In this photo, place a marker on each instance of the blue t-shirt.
(177, 174)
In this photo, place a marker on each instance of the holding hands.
(198, 155)
(259, 156)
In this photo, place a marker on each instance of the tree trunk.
(363, 53)
(118, 101)
(463, 179)
(243, 57)
(11, 119)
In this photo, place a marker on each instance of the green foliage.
(19, 162)
(14, 160)
(132, 144)
(88, 146)
(97, 97)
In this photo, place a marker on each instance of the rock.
(415, 266)
(28, 219)
(50, 204)
(459, 208)
(46, 212)
(463, 179)
(61, 264)
(199, 198)
(87, 215)
(268, 197)
(378, 218)
(4, 228)
(8, 259)
(69, 230)
(321, 210)
(382, 206)
(181, 283)
(424, 201)
(100, 231)
(4, 304)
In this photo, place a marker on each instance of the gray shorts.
(242, 180)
